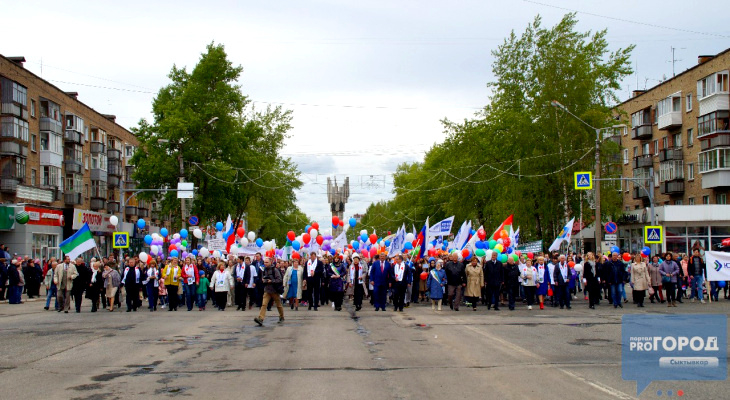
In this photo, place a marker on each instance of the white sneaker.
(529, 307)
(575, 298)
(693, 300)
(702, 301)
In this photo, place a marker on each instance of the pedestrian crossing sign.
(584, 180)
(653, 234)
(120, 240)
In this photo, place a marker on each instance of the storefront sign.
(44, 216)
(98, 222)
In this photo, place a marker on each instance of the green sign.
(7, 217)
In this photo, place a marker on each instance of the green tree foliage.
(230, 150)
(518, 155)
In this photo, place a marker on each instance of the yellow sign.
(653, 234)
(120, 240)
(583, 180)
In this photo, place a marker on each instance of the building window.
(128, 151)
(98, 161)
(636, 151)
(721, 198)
(656, 114)
(33, 140)
(690, 138)
(678, 202)
(712, 84)
(14, 128)
(713, 122)
(32, 108)
(689, 102)
(706, 199)
(86, 162)
(656, 179)
(691, 201)
(677, 139)
(626, 156)
(645, 149)
(664, 142)
(86, 191)
(714, 159)
(690, 171)
(45, 246)
(20, 167)
(656, 147)
(33, 173)
(51, 176)
(671, 170)
(13, 92)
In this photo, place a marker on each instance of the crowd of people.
(543, 280)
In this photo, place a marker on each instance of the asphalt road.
(417, 354)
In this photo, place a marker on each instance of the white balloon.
(251, 236)
(409, 237)
(113, 220)
(154, 249)
(176, 236)
(204, 252)
(489, 254)
(313, 233)
(143, 257)
(198, 233)
(364, 232)
(244, 241)
(217, 254)
(578, 268)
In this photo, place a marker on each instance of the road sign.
(653, 234)
(185, 190)
(611, 237)
(120, 240)
(583, 180)
(610, 227)
(193, 220)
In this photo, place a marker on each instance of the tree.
(230, 150)
(518, 154)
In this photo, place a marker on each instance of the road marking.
(603, 388)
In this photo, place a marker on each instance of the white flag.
(396, 245)
(340, 241)
(564, 236)
(462, 236)
(441, 228)
(471, 244)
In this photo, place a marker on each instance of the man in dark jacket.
(561, 279)
(696, 271)
(314, 273)
(272, 281)
(82, 282)
(614, 274)
(493, 277)
(456, 280)
(3, 277)
(402, 278)
(512, 282)
(591, 273)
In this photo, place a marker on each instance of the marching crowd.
(542, 280)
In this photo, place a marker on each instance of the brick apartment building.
(62, 162)
(678, 139)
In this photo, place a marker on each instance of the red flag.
(506, 225)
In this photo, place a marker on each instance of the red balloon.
(571, 264)
(414, 242)
(373, 252)
(424, 276)
(291, 236)
(530, 255)
(519, 253)
(172, 247)
(465, 253)
(364, 253)
(315, 225)
(388, 232)
(506, 242)
(349, 246)
(335, 220)
(342, 223)
(320, 240)
(627, 257)
(306, 238)
(295, 255)
(726, 242)
(482, 235)
(240, 232)
(373, 238)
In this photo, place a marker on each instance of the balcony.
(129, 185)
(51, 125)
(130, 211)
(73, 198)
(672, 187)
(114, 154)
(98, 147)
(113, 181)
(97, 204)
(72, 136)
(51, 158)
(639, 193)
(671, 154)
(719, 101)
(672, 119)
(644, 161)
(98, 174)
(114, 168)
(718, 178)
(143, 212)
(9, 184)
(641, 132)
(721, 139)
(13, 149)
(14, 109)
(154, 215)
(73, 166)
(112, 207)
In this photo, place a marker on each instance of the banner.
(340, 242)
(442, 228)
(396, 245)
(462, 236)
(564, 236)
(534, 247)
(718, 266)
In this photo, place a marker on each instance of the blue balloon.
(259, 242)
(479, 244)
(509, 250)
(219, 226)
(446, 242)
(173, 253)
(468, 257)
(615, 249)
(364, 237)
(296, 245)
(721, 284)
(355, 244)
(369, 246)
(353, 222)
(387, 243)
(163, 232)
(307, 228)
(195, 252)
(332, 251)
(183, 233)
(473, 232)
(444, 247)
(141, 224)
(408, 246)
(148, 239)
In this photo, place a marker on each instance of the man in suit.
(314, 270)
(380, 276)
(561, 279)
(250, 277)
(402, 280)
(132, 282)
(456, 280)
(494, 277)
(64, 280)
(240, 288)
(591, 273)
(82, 282)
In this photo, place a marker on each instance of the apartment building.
(62, 162)
(678, 142)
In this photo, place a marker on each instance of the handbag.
(651, 291)
(666, 279)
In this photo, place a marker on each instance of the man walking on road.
(273, 287)
(64, 280)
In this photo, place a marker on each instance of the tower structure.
(337, 197)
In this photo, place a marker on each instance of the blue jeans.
(51, 293)
(697, 284)
(152, 296)
(202, 299)
(14, 294)
(616, 293)
(714, 290)
(622, 289)
(190, 295)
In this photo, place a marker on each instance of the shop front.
(40, 237)
(99, 225)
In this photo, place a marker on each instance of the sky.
(368, 82)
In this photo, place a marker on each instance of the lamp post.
(597, 182)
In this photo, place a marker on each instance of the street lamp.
(597, 182)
